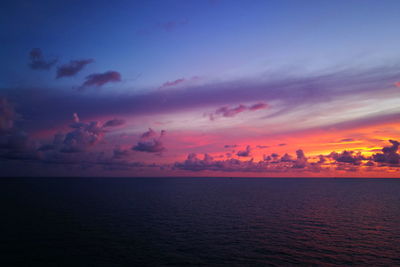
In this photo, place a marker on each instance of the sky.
(200, 88)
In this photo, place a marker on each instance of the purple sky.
(208, 88)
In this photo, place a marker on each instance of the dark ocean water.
(199, 221)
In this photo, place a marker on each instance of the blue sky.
(208, 38)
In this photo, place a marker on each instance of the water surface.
(199, 221)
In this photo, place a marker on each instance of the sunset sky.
(200, 88)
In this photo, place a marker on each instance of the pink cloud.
(258, 106)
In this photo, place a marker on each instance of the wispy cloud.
(38, 62)
(72, 68)
(99, 79)
(172, 83)
(232, 112)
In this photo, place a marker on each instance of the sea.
(199, 222)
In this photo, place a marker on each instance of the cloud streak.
(290, 93)
(232, 112)
(72, 68)
(100, 79)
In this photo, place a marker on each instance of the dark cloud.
(244, 153)
(14, 143)
(301, 160)
(38, 62)
(83, 136)
(56, 145)
(149, 134)
(72, 68)
(258, 106)
(114, 123)
(150, 143)
(286, 158)
(194, 163)
(151, 146)
(7, 115)
(370, 163)
(230, 146)
(283, 144)
(322, 159)
(389, 154)
(119, 153)
(347, 140)
(173, 83)
(18, 146)
(231, 112)
(99, 79)
(347, 157)
(180, 82)
(262, 146)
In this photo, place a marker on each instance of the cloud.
(231, 112)
(347, 140)
(258, 106)
(83, 136)
(347, 157)
(149, 134)
(301, 160)
(113, 123)
(194, 163)
(389, 154)
(37, 61)
(56, 145)
(244, 153)
(262, 146)
(151, 146)
(99, 79)
(72, 68)
(7, 115)
(119, 153)
(14, 143)
(150, 143)
(286, 158)
(290, 92)
(173, 83)
(397, 84)
(18, 145)
(180, 81)
(230, 146)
